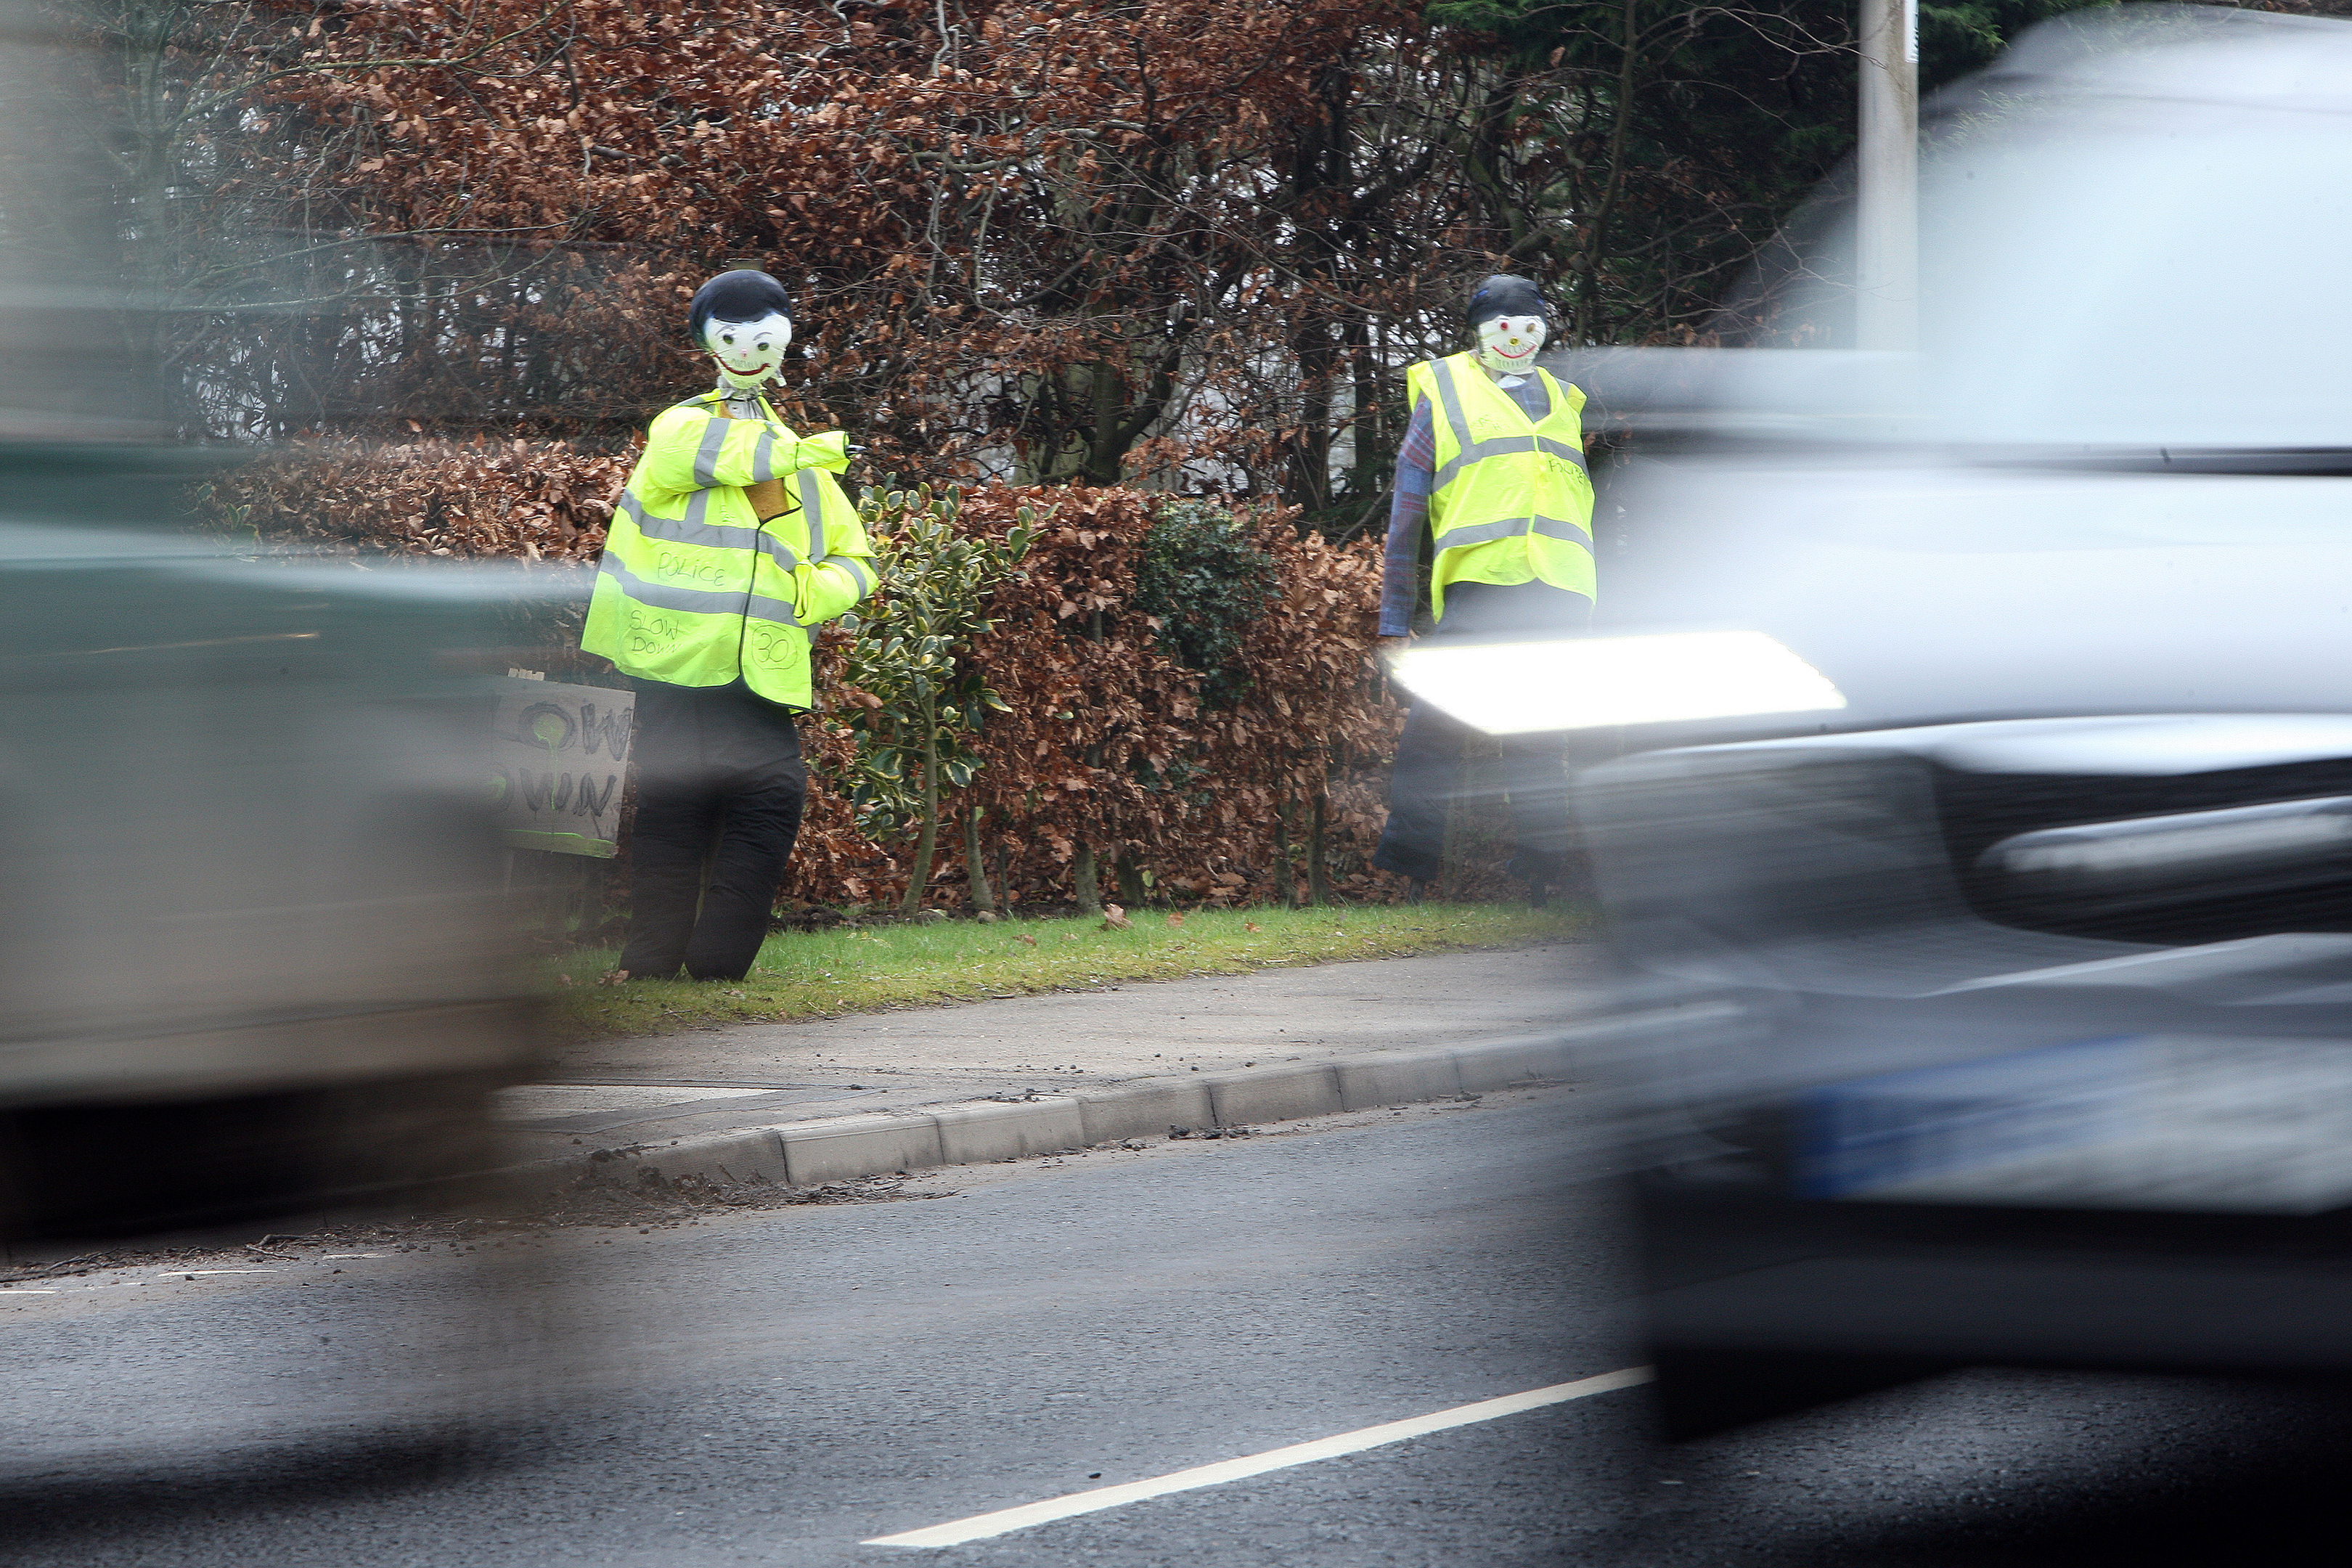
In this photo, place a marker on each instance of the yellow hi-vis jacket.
(1510, 500)
(696, 588)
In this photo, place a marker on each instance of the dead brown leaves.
(532, 501)
(1104, 743)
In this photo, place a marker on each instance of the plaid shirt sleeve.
(1408, 522)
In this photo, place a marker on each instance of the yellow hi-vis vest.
(695, 589)
(1510, 500)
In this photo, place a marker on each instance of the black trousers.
(1534, 782)
(721, 786)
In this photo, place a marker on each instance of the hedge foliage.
(1183, 697)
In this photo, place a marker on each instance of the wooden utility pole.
(1886, 206)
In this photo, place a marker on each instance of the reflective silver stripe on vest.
(1499, 445)
(1511, 528)
(691, 529)
(761, 607)
(699, 601)
(812, 503)
(764, 455)
(1450, 396)
(661, 596)
(1467, 451)
(856, 569)
(1561, 449)
(706, 456)
(810, 483)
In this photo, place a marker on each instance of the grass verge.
(825, 973)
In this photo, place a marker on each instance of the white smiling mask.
(1508, 344)
(748, 352)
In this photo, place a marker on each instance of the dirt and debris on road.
(649, 1201)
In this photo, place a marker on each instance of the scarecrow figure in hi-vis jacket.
(731, 543)
(1491, 484)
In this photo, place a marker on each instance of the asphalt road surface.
(779, 1386)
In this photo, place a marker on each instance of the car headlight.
(1581, 683)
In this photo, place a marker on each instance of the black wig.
(1505, 294)
(741, 295)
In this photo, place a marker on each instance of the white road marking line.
(1005, 1520)
(338, 1256)
(12, 1290)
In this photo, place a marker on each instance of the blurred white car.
(2023, 910)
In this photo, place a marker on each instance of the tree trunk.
(1372, 459)
(1318, 879)
(1593, 229)
(926, 843)
(1088, 880)
(1130, 872)
(1308, 476)
(1286, 885)
(1105, 453)
(983, 896)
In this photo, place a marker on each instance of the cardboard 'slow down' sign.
(559, 756)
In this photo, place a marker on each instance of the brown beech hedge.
(1105, 766)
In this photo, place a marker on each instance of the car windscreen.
(2143, 274)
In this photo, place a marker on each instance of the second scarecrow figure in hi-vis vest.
(731, 543)
(1491, 474)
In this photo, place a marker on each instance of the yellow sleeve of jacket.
(695, 447)
(838, 569)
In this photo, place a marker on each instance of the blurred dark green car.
(253, 952)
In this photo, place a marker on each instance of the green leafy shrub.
(916, 694)
(1203, 577)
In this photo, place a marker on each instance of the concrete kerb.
(844, 1148)
(1499, 1064)
(752, 1154)
(1146, 1109)
(1398, 1078)
(986, 1130)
